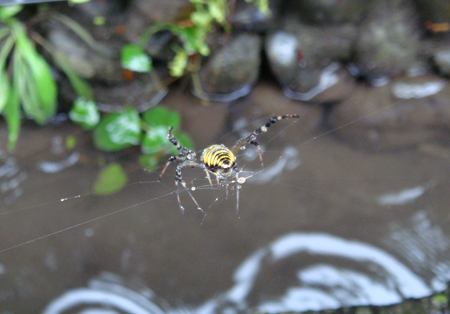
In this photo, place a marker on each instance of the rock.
(327, 12)
(230, 72)
(335, 84)
(405, 112)
(388, 39)
(302, 57)
(434, 11)
(247, 17)
(142, 93)
(442, 59)
(102, 64)
(107, 9)
(438, 51)
(166, 11)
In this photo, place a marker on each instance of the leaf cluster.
(192, 34)
(26, 81)
(119, 130)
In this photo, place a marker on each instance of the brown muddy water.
(324, 226)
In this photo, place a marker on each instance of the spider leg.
(171, 159)
(217, 178)
(251, 139)
(183, 155)
(173, 140)
(179, 180)
(209, 178)
(259, 152)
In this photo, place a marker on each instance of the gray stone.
(388, 39)
(230, 72)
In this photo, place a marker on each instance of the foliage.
(192, 33)
(27, 85)
(119, 130)
(26, 77)
(85, 113)
(110, 180)
(135, 59)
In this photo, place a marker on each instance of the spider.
(216, 159)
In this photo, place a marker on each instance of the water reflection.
(107, 294)
(384, 280)
(11, 177)
(376, 278)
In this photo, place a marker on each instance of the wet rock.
(231, 71)
(102, 64)
(434, 11)
(247, 16)
(402, 113)
(335, 83)
(158, 46)
(158, 11)
(388, 39)
(302, 56)
(326, 11)
(107, 9)
(143, 92)
(442, 60)
(438, 51)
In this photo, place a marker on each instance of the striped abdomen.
(219, 159)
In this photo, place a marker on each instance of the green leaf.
(39, 85)
(4, 89)
(12, 114)
(160, 116)
(184, 139)
(78, 1)
(135, 59)
(110, 180)
(27, 88)
(118, 130)
(217, 10)
(201, 18)
(85, 113)
(99, 20)
(155, 140)
(8, 11)
(179, 63)
(148, 162)
(189, 36)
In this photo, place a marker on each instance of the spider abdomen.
(219, 159)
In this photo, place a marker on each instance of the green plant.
(119, 130)
(25, 76)
(193, 33)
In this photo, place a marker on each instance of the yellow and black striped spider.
(216, 159)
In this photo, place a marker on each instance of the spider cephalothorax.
(216, 159)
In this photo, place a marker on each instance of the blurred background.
(351, 210)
